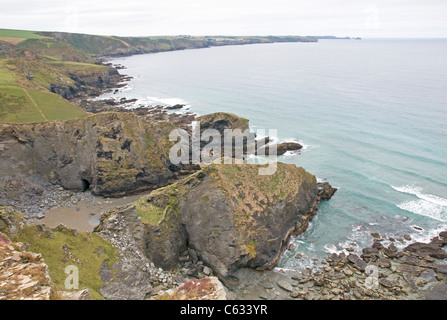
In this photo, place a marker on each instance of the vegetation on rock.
(62, 247)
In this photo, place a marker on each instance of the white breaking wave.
(427, 205)
(291, 153)
(166, 101)
(424, 208)
(126, 88)
(331, 248)
(417, 191)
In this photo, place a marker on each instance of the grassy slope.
(17, 36)
(32, 61)
(25, 34)
(24, 100)
(61, 248)
(26, 76)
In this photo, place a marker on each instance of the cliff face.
(110, 153)
(87, 82)
(226, 215)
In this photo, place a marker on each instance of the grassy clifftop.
(28, 69)
(25, 92)
(229, 214)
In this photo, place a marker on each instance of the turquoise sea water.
(372, 115)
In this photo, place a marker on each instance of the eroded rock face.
(230, 216)
(109, 153)
(11, 221)
(23, 275)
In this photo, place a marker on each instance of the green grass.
(25, 34)
(58, 51)
(148, 212)
(56, 108)
(7, 76)
(17, 107)
(76, 66)
(86, 251)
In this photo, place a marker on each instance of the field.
(24, 101)
(17, 36)
(19, 104)
(25, 82)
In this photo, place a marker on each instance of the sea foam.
(427, 205)
(166, 101)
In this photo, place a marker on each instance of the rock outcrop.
(11, 221)
(23, 275)
(282, 148)
(226, 215)
(209, 288)
(109, 153)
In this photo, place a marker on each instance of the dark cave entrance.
(85, 185)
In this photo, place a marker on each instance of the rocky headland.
(205, 221)
(222, 215)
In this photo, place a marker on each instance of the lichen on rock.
(228, 214)
(111, 153)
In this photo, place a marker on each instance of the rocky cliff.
(228, 216)
(109, 153)
(23, 275)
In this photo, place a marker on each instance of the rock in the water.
(384, 263)
(325, 190)
(282, 148)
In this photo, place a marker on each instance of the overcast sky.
(364, 18)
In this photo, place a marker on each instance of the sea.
(371, 115)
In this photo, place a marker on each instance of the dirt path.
(35, 104)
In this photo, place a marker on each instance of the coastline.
(264, 285)
(307, 285)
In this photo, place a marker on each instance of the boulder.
(84, 294)
(325, 191)
(427, 249)
(282, 148)
(285, 285)
(209, 288)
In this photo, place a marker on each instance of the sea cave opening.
(85, 185)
